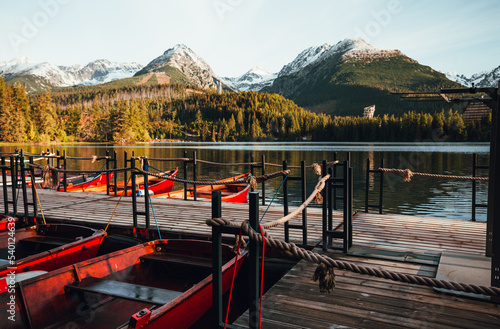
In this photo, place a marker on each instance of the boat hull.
(76, 294)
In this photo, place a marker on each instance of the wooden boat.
(159, 284)
(6, 222)
(46, 248)
(82, 182)
(236, 193)
(155, 185)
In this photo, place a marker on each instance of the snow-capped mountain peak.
(306, 57)
(254, 79)
(188, 62)
(483, 79)
(96, 72)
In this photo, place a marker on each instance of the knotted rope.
(408, 174)
(324, 272)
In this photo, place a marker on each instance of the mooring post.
(13, 180)
(331, 196)
(65, 174)
(350, 203)
(23, 182)
(115, 173)
(33, 187)
(145, 167)
(254, 260)
(125, 175)
(381, 186)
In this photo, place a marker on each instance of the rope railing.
(324, 273)
(408, 174)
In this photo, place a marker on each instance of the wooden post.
(65, 174)
(107, 168)
(195, 195)
(134, 190)
(285, 203)
(474, 164)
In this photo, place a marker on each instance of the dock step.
(125, 290)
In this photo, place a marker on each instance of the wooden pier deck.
(404, 244)
(180, 218)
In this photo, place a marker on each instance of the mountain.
(483, 79)
(39, 76)
(344, 78)
(255, 79)
(182, 65)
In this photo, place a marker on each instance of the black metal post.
(125, 175)
(381, 186)
(285, 203)
(13, 180)
(195, 195)
(304, 197)
(146, 193)
(367, 185)
(263, 184)
(185, 175)
(65, 174)
(33, 187)
(254, 260)
(350, 188)
(325, 210)
(107, 168)
(134, 190)
(334, 174)
(493, 226)
(4, 187)
(217, 267)
(115, 173)
(330, 203)
(23, 183)
(474, 164)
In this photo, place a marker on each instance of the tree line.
(144, 113)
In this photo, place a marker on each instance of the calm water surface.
(434, 197)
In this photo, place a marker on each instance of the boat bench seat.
(130, 291)
(46, 243)
(209, 193)
(177, 259)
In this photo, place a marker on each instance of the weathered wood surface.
(175, 217)
(361, 301)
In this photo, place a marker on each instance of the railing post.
(217, 261)
(304, 197)
(254, 259)
(474, 164)
(381, 186)
(146, 193)
(331, 195)
(23, 183)
(65, 174)
(4, 187)
(263, 184)
(13, 180)
(33, 187)
(195, 195)
(285, 203)
(185, 175)
(107, 168)
(115, 173)
(325, 210)
(367, 186)
(134, 190)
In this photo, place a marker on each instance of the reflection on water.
(435, 197)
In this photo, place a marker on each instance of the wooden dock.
(179, 218)
(404, 244)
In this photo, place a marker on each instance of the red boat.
(159, 284)
(6, 222)
(82, 182)
(155, 184)
(45, 248)
(236, 193)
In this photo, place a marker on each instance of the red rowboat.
(155, 184)
(236, 193)
(81, 183)
(45, 248)
(6, 222)
(159, 284)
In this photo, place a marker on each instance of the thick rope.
(319, 187)
(292, 250)
(408, 174)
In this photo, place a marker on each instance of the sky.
(233, 36)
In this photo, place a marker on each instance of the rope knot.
(240, 243)
(250, 179)
(94, 158)
(326, 277)
(407, 175)
(317, 169)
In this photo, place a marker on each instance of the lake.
(434, 197)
